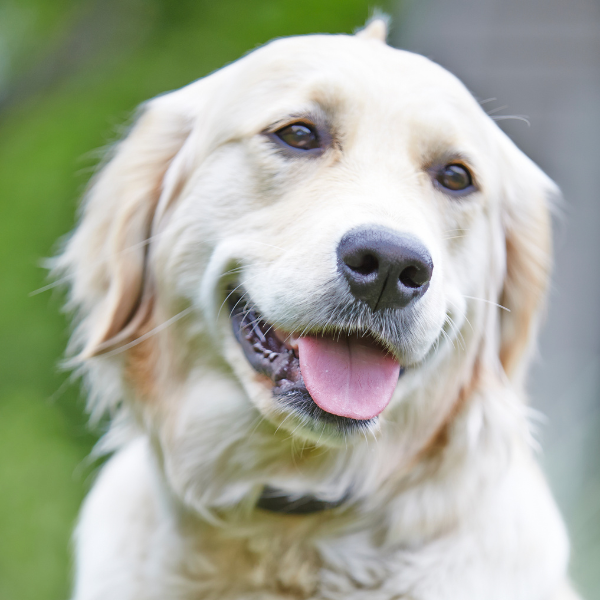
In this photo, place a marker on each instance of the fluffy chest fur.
(142, 543)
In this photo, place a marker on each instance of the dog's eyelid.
(436, 167)
(296, 119)
(438, 157)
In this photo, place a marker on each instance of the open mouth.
(344, 380)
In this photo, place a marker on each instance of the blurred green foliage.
(70, 73)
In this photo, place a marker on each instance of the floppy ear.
(527, 230)
(105, 257)
(375, 29)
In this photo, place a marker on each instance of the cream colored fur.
(446, 501)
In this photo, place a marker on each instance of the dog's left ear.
(105, 259)
(375, 29)
(528, 196)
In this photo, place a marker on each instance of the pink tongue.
(350, 377)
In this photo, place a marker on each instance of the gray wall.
(541, 59)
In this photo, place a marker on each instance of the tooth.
(258, 332)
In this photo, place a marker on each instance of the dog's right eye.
(299, 135)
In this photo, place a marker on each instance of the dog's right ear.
(104, 260)
(375, 28)
(529, 195)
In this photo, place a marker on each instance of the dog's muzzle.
(340, 375)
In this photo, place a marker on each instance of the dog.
(306, 290)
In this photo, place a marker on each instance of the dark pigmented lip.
(272, 357)
(263, 349)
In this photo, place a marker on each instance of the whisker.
(370, 430)
(269, 329)
(150, 333)
(282, 422)
(459, 335)
(497, 109)
(61, 389)
(320, 436)
(465, 316)
(448, 338)
(512, 118)
(469, 323)
(50, 286)
(259, 419)
(364, 433)
(66, 278)
(240, 269)
(237, 287)
(245, 309)
(487, 302)
(232, 272)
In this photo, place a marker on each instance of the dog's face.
(336, 226)
(326, 224)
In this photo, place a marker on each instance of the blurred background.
(72, 72)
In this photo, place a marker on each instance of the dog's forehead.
(346, 66)
(344, 75)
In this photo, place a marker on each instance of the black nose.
(384, 268)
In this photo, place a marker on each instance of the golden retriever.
(306, 289)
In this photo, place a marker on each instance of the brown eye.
(300, 136)
(455, 178)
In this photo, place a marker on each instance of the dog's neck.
(278, 501)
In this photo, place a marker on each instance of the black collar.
(278, 501)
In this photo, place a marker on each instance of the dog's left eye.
(299, 135)
(454, 177)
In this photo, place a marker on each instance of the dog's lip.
(268, 349)
(273, 352)
(239, 303)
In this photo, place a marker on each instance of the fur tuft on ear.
(375, 29)
(104, 260)
(527, 231)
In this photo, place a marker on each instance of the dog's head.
(329, 233)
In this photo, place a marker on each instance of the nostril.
(413, 277)
(363, 264)
(384, 268)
